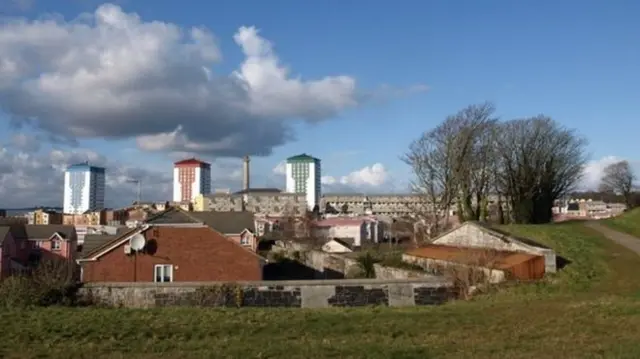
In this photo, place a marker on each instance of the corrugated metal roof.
(494, 258)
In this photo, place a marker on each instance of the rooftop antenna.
(138, 183)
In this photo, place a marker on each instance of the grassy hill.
(628, 222)
(589, 309)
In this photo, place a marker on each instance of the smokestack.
(245, 178)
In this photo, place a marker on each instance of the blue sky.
(578, 62)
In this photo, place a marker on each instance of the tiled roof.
(223, 222)
(42, 231)
(94, 241)
(227, 222)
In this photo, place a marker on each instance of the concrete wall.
(330, 264)
(297, 294)
(436, 265)
(472, 235)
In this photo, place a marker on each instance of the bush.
(51, 282)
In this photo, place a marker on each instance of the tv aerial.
(137, 242)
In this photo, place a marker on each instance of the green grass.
(588, 310)
(628, 222)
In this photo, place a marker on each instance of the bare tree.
(527, 163)
(619, 178)
(473, 159)
(431, 158)
(541, 161)
(454, 161)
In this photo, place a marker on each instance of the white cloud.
(36, 178)
(594, 171)
(111, 74)
(370, 176)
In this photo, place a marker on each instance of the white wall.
(84, 204)
(177, 188)
(311, 187)
(357, 232)
(335, 247)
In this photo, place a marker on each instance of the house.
(172, 252)
(495, 264)
(337, 245)
(355, 229)
(11, 260)
(42, 216)
(57, 240)
(23, 245)
(237, 226)
(479, 235)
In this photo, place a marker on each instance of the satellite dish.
(137, 242)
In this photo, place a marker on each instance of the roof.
(104, 246)
(224, 222)
(100, 244)
(302, 158)
(259, 190)
(42, 231)
(508, 235)
(191, 162)
(94, 241)
(227, 222)
(465, 255)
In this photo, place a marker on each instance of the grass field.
(628, 222)
(588, 310)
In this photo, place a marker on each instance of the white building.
(84, 187)
(191, 177)
(303, 176)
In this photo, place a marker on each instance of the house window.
(55, 245)
(163, 273)
(244, 240)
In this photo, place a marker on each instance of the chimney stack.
(245, 178)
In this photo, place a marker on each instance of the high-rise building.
(303, 176)
(84, 187)
(191, 177)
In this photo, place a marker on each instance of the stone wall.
(332, 265)
(297, 294)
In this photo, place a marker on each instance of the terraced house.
(23, 246)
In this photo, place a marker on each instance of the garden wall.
(299, 294)
(331, 266)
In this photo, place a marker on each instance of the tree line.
(527, 164)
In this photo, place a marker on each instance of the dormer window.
(55, 245)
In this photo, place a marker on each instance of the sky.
(135, 85)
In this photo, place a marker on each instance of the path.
(623, 239)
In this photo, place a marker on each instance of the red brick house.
(237, 226)
(178, 248)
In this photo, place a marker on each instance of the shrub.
(366, 264)
(51, 282)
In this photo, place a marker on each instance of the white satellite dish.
(137, 242)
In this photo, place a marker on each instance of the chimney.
(245, 178)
